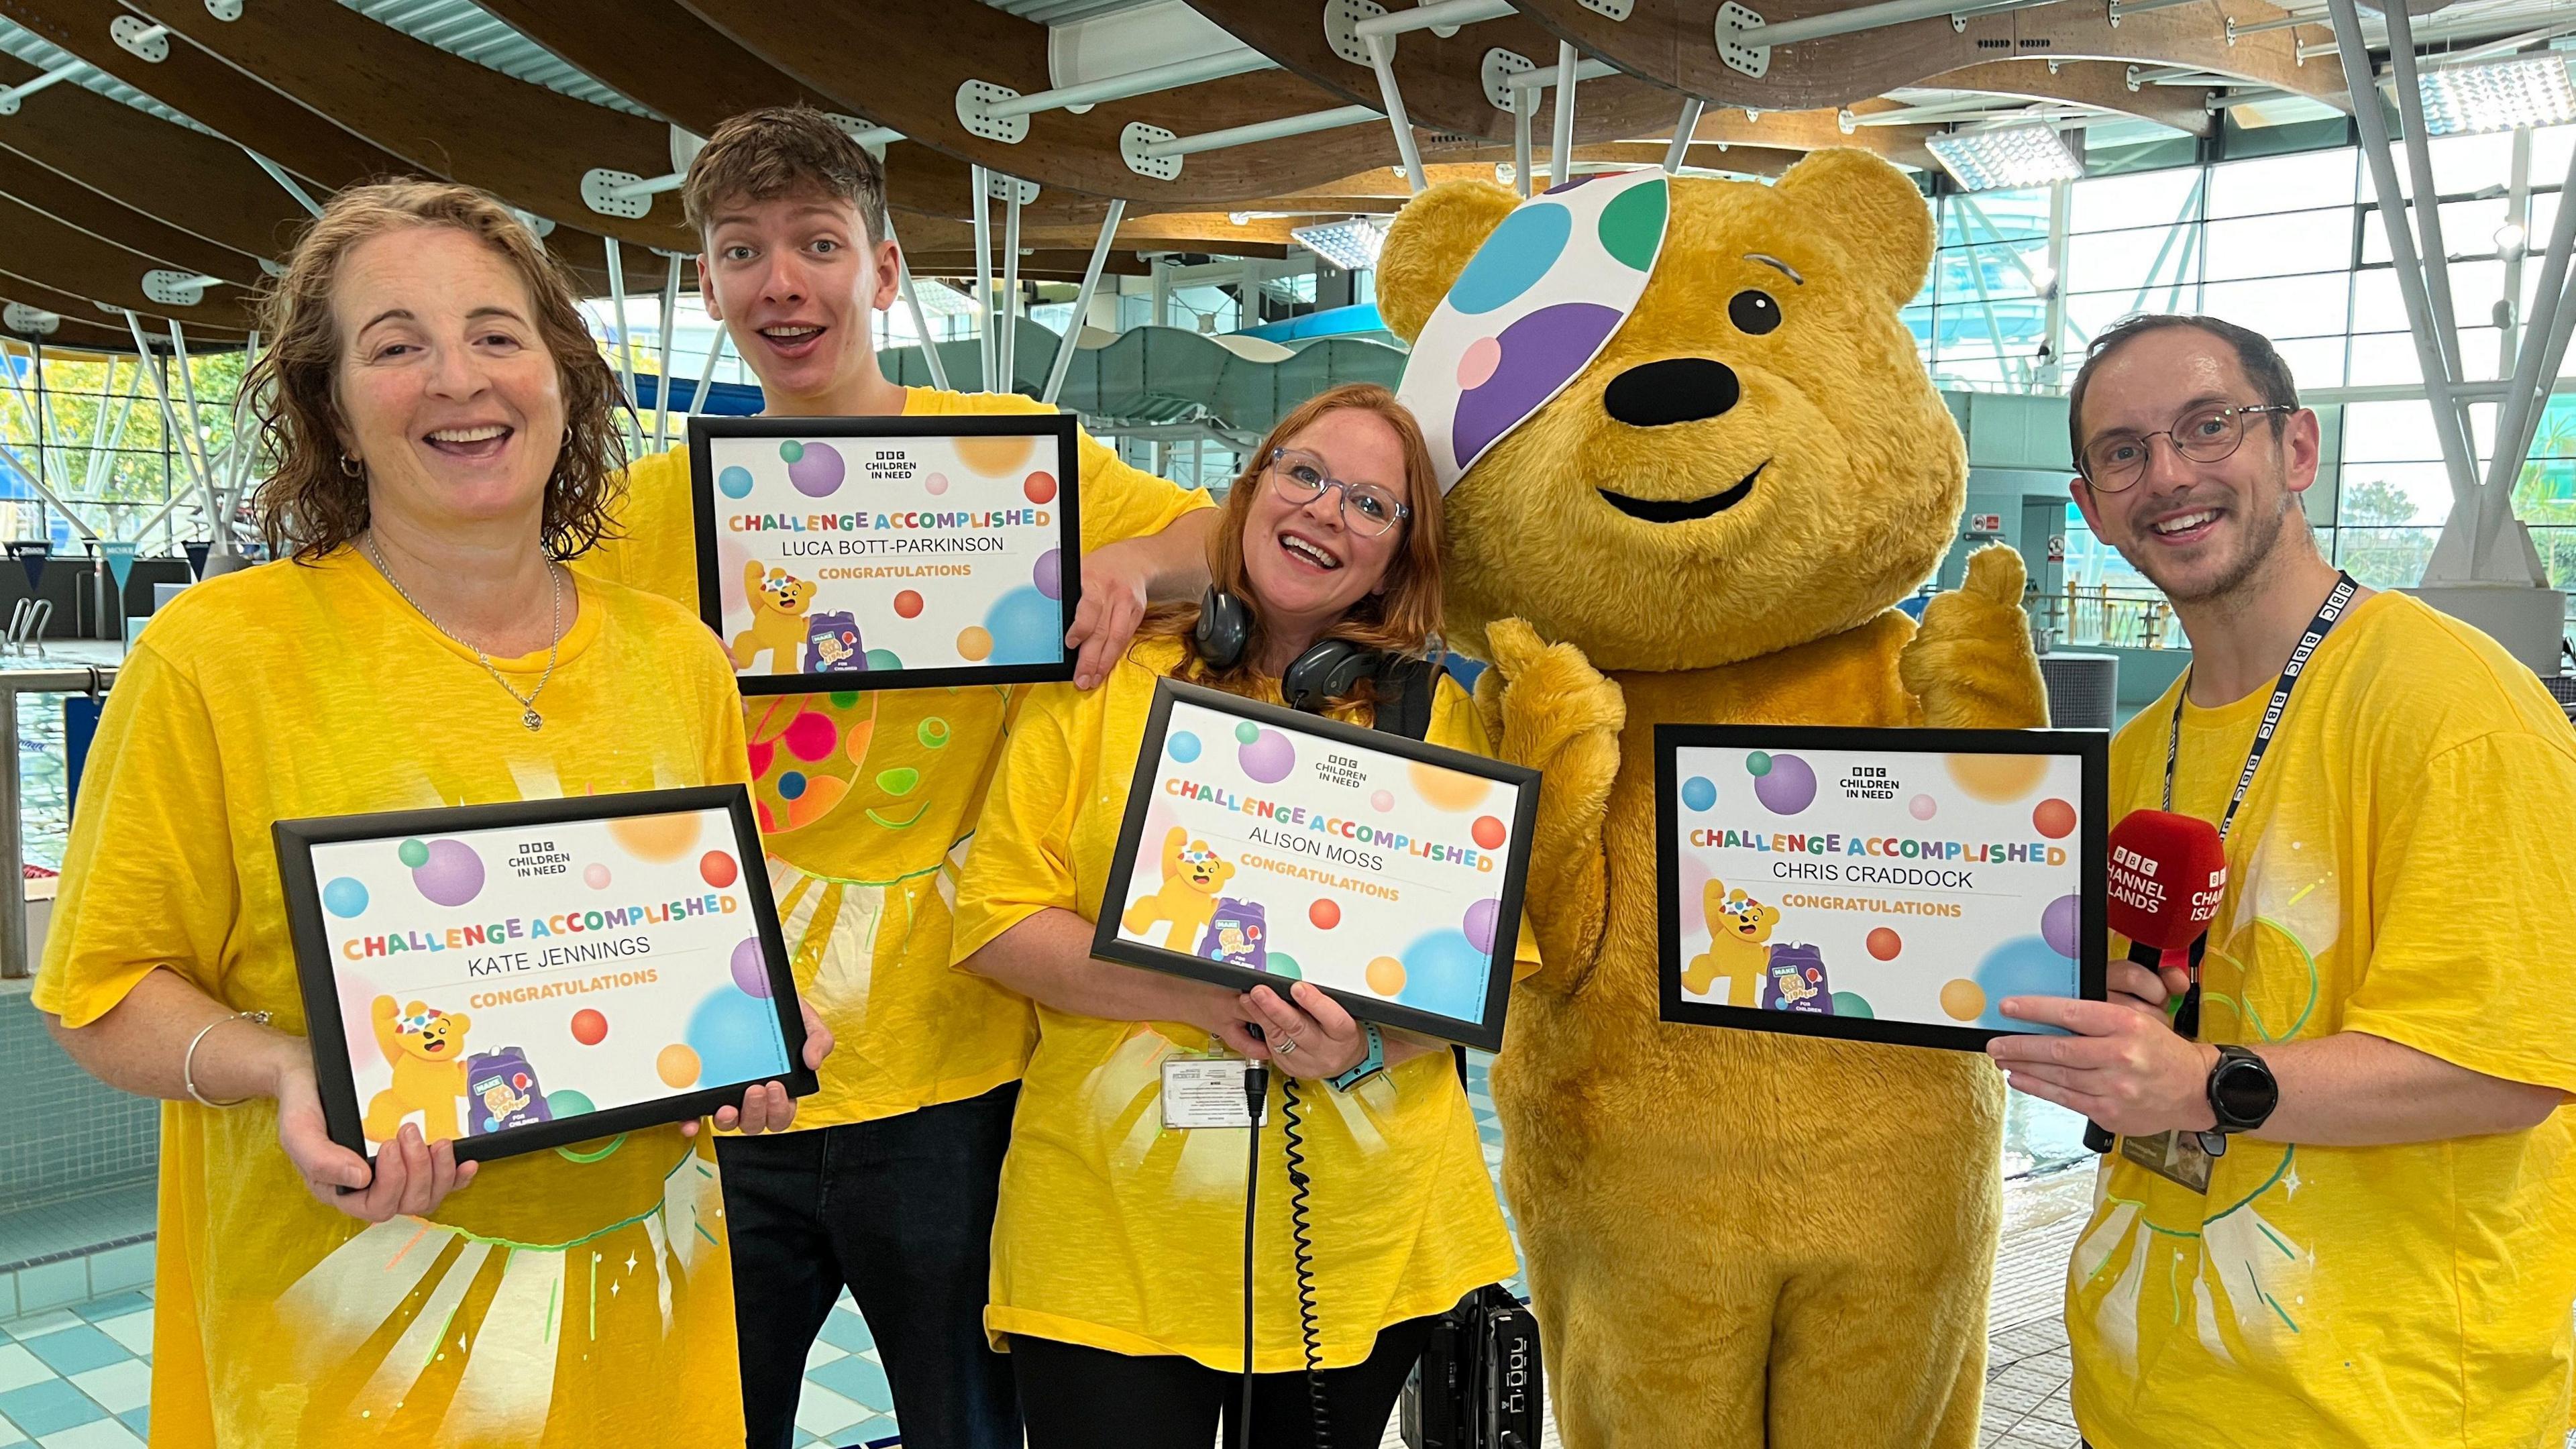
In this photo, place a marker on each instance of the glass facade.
(2293, 246)
(90, 431)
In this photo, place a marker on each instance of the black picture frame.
(2089, 845)
(1059, 427)
(318, 975)
(1108, 945)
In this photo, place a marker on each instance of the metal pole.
(2428, 200)
(188, 388)
(1082, 300)
(1424, 17)
(2529, 383)
(2496, 503)
(1136, 83)
(706, 375)
(170, 419)
(1010, 339)
(287, 183)
(2517, 213)
(617, 298)
(920, 320)
(662, 375)
(2401, 249)
(1393, 98)
(2053, 335)
(1279, 129)
(983, 278)
(1560, 154)
(1680, 149)
(1524, 105)
(1875, 17)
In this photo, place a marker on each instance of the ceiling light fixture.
(2504, 95)
(1350, 245)
(2014, 157)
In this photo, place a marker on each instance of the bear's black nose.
(1675, 390)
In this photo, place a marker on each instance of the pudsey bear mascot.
(1687, 442)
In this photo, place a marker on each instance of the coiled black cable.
(1292, 1131)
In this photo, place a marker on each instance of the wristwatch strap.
(1369, 1066)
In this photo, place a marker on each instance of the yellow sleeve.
(2475, 958)
(655, 543)
(148, 876)
(1454, 723)
(1120, 500)
(1022, 860)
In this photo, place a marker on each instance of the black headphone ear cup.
(1223, 631)
(1325, 673)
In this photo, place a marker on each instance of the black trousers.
(1074, 1397)
(901, 1210)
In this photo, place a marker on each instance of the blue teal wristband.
(1370, 1065)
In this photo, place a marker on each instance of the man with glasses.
(2339, 1211)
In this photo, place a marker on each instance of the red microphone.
(2165, 875)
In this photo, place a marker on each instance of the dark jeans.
(1089, 1398)
(901, 1210)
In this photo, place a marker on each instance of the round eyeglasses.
(2115, 461)
(1367, 509)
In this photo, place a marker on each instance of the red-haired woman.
(1117, 1257)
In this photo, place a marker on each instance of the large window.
(88, 430)
(2294, 247)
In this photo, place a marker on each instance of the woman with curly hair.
(439, 434)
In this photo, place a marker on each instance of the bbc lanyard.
(2187, 1021)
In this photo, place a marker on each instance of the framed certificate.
(521, 976)
(1261, 843)
(1889, 885)
(888, 553)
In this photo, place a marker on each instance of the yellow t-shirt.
(2399, 868)
(1121, 1235)
(577, 1298)
(867, 801)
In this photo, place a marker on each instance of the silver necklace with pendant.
(527, 702)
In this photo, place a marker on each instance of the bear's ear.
(1429, 246)
(1877, 214)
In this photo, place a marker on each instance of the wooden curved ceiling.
(440, 113)
(845, 52)
(1674, 42)
(68, 331)
(336, 97)
(44, 251)
(1442, 77)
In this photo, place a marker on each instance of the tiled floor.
(78, 1378)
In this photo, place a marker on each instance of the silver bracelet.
(188, 1063)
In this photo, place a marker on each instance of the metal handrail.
(88, 679)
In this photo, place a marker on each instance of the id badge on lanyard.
(2184, 1157)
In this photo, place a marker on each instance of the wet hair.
(312, 498)
(2255, 354)
(1402, 619)
(784, 151)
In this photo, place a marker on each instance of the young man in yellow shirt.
(868, 801)
(2386, 1012)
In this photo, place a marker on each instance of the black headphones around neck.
(1329, 670)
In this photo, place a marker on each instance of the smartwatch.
(2242, 1091)
(1370, 1065)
